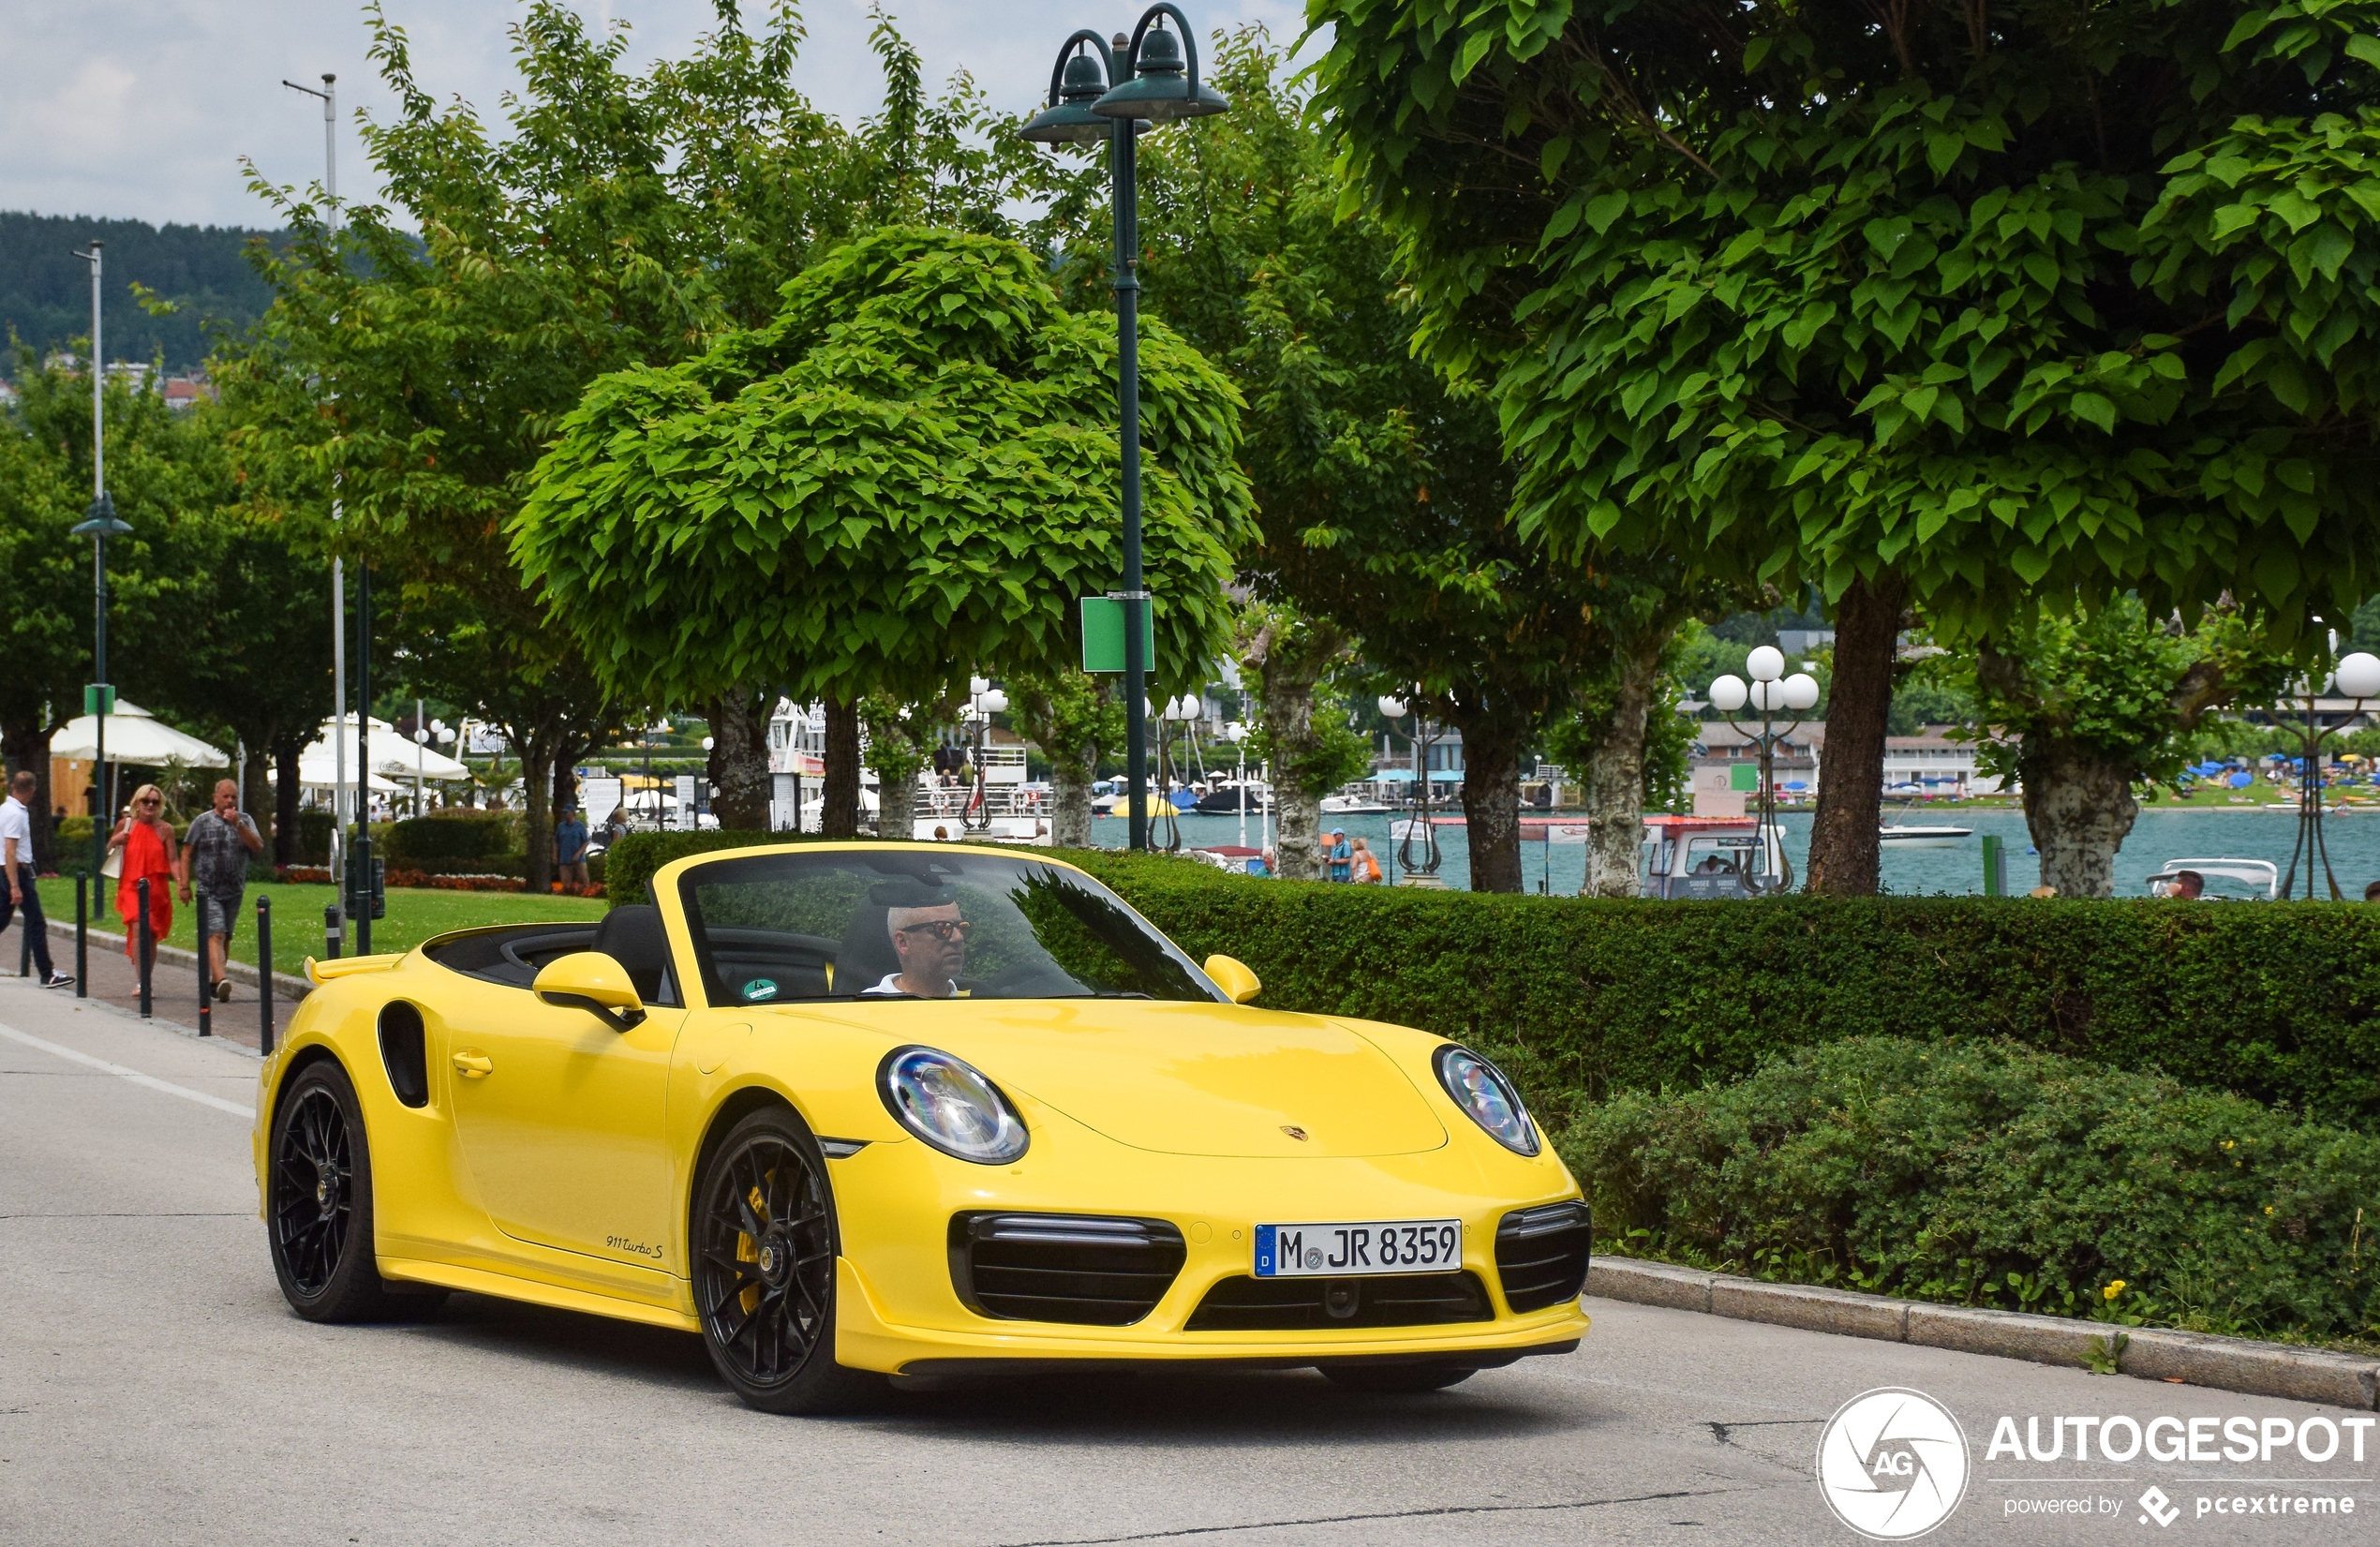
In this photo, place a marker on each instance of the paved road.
(153, 1389)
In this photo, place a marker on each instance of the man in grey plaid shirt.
(216, 855)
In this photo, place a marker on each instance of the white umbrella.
(134, 736)
(317, 773)
(393, 754)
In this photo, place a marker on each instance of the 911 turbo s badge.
(1298, 1134)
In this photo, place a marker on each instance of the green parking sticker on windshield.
(760, 987)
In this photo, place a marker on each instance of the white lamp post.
(2356, 676)
(1770, 692)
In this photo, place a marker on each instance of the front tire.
(766, 1246)
(319, 1202)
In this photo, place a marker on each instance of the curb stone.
(2149, 1353)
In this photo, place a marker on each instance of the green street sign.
(99, 698)
(1103, 634)
(1745, 776)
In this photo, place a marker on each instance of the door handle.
(474, 1066)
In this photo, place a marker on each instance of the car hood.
(1191, 1079)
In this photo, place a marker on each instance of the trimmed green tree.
(1939, 307)
(909, 471)
(2088, 708)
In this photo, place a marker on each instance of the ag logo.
(1892, 1464)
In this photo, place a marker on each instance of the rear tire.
(765, 1245)
(1391, 1379)
(319, 1201)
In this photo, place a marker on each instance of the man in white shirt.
(16, 864)
(932, 943)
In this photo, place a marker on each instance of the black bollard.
(264, 975)
(206, 988)
(144, 942)
(331, 933)
(82, 937)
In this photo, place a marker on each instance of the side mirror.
(1233, 977)
(593, 982)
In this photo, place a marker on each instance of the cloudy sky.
(143, 109)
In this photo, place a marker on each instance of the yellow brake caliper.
(748, 1250)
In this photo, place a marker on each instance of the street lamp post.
(2357, 677)
(328, 96)
(1112, 98)
(983, 701)
(1769, 690)
(1417, 852)
(1237, 734)
(100, 524)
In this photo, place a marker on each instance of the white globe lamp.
(995, 702)
(1391, 707)
(1801, 691)
(2359, 674)
(1727, 694)
(1767, 663)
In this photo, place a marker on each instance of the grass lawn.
(415, 914)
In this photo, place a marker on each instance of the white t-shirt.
(891, 985)
(16, 822)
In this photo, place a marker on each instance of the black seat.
(867, 954)
(633, 936)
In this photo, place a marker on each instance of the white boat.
(1354, 805)
(1908, 835)
(2254, 879)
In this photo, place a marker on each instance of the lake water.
(2161, 834)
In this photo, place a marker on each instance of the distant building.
(182, 392)
(1930, 763)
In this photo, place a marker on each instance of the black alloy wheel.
(318, 1203)
(764, 1251)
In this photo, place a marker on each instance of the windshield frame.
(754, 863)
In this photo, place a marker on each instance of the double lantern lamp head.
(1766, 692)
(1157, 85)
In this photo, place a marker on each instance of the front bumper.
(899, 1312)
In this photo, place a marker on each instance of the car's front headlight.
(1481, 1090)
(948, 1102)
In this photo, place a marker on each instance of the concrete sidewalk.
(173, 987)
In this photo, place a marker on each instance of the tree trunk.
(1070, 782)
(1843, 856)
(25, 744)
(537, 751)
(1491, 804)
(256, 795)
(1289, 719)
(896, 806)
(286, 827)
(840, 816)
(565, 782)
(2079, 806)
(1615, 774)
(739, 778)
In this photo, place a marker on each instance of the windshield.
(922, 924)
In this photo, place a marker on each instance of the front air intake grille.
(1382, 1299)
(1540, 1253)
(1080, 1269)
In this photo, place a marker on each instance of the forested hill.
(45, 291)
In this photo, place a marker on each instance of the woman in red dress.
(146, 839)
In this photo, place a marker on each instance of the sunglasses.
(946, 930)
(148, 800)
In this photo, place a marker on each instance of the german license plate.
(1367, 1246)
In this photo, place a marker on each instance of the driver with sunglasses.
(932, 943)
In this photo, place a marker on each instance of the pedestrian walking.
(147, 839)
(570, 847)
(1341, 855)
(216, 858)
(16, 864)
(1364, 869)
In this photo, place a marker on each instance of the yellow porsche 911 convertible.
(917, 1110)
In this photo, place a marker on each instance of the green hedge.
(1583, 998)
(458, 835)
(1979, 1171)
